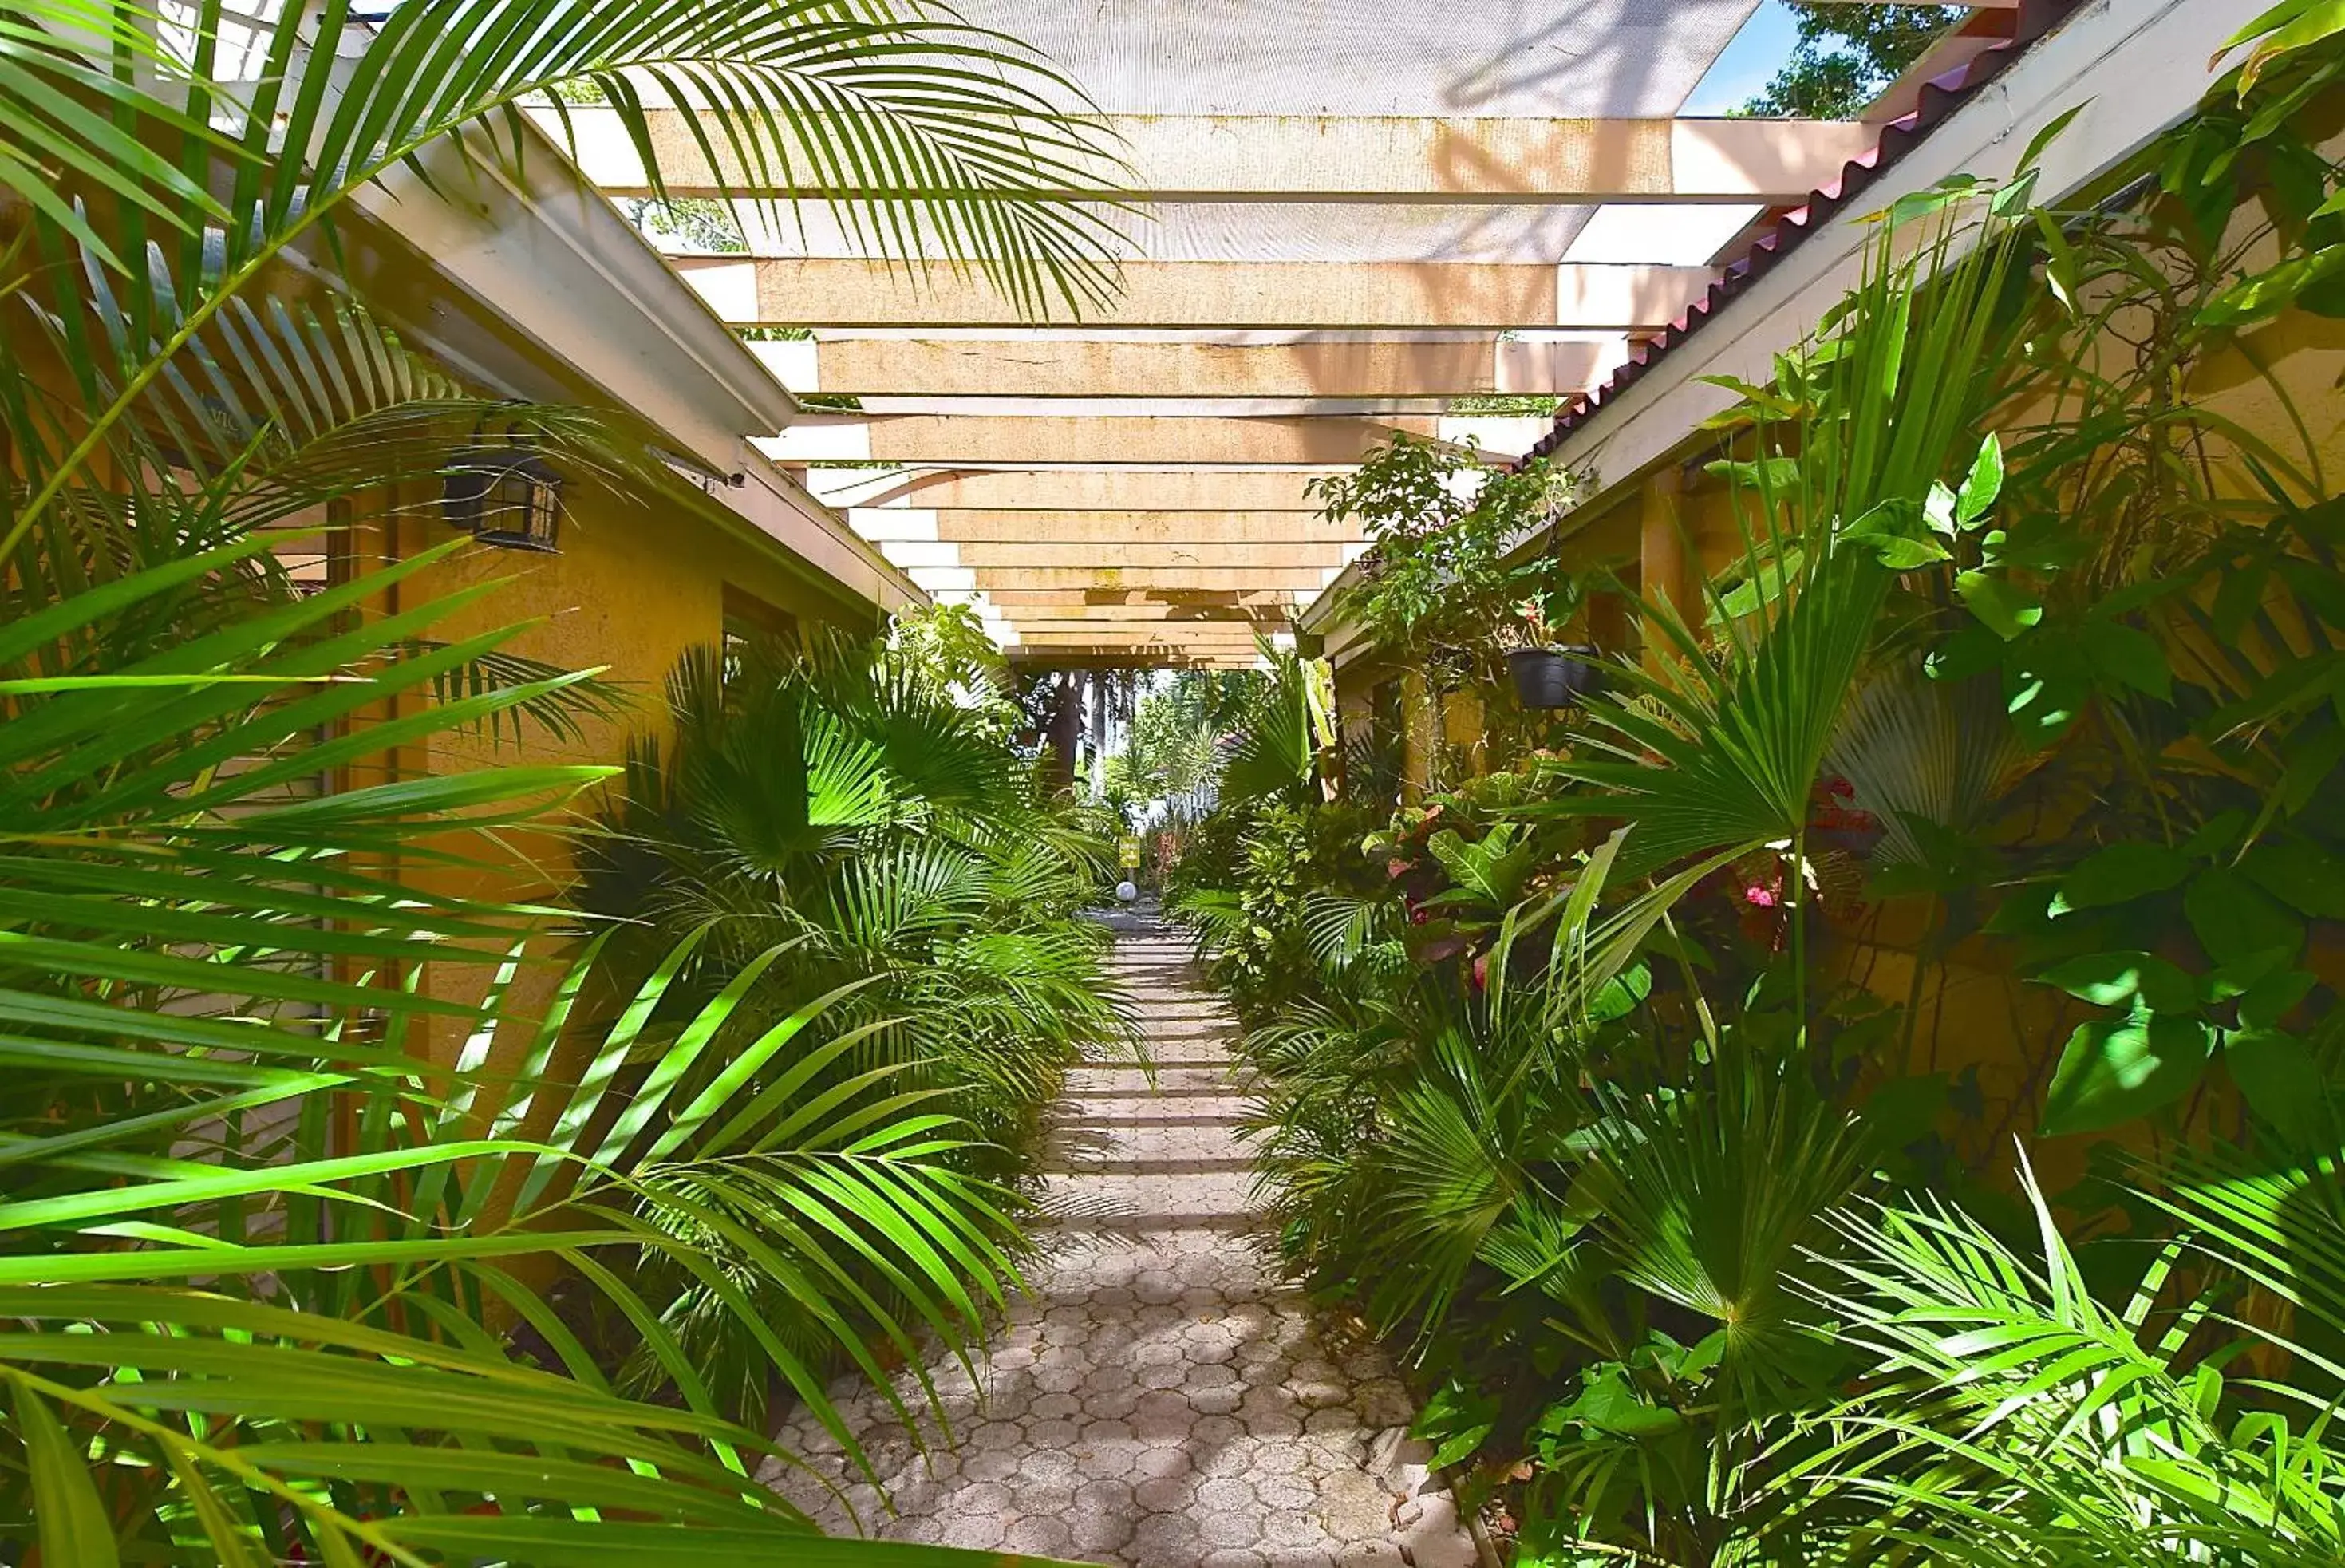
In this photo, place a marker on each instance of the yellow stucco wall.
(634, 585)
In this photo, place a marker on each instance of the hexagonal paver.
(1161, 1398)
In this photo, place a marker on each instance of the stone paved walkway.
(1163, 1399)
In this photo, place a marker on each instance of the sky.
(1750, 62)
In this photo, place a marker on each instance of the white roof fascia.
(771, 504)
(549, 254)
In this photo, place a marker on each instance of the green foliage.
(947, 646)
(1436, 583)
(1846, 55)
(839, 801)
(218, 1015)
(694, 223)
(1287, 725)
(360, 1205)
(1176, 732)
(1580, 1084)
(2094, 1433)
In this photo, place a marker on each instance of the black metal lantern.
(506, 497)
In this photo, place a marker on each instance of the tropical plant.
(2023, 675)
(1715, 757)
(324, 1136)
(2106, 1426)
(834, 798)
(838, 807)
(276, 1266)
(1286, 726)
(1443, 579)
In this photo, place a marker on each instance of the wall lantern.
(504, 496)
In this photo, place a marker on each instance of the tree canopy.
(1847, 55)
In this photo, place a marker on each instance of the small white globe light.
(1125, 892)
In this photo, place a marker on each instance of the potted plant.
(1549, 673)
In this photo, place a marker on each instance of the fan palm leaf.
(1717, 752)
(2011, 1416)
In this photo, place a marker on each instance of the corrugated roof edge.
(1940, 97)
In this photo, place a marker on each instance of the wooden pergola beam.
(1097, 367)
(1013, 600)
(1303, 581)
(1092, 490)
(1120, 557)
(1013, 440)
(1332, 158)
(1490, 296)
(886, 525)
(1142, 656)
(1264, 617)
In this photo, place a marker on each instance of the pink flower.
(1761, 898)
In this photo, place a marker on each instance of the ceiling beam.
(1010, 600)
(1331, 157)
(1241, 649)
(1017, 440)
(1126, 659)
(1305, 581)
(1271, 617)
(1493, 295)
(890, 524)
(923, 554)
(1145, 631)
(1054, 368)
(1135, 489)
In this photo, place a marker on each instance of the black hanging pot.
(1554, 677)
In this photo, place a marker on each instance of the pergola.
(1354, 213)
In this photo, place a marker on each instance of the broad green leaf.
(2241, 928)
(2114, 1070)
(2286, 27)
(74, 1530)
(1981, 486)
(2263, 295)
(2279, 1079)
(1622, 994)
(2122, 873)
(2302, 874)
(2265, 1002)
(1610, 1405)
(2128, 657)
(2115, 979)
(1898, 542)
(1770, 476)
(2002, 605)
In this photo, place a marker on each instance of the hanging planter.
(1555, 677)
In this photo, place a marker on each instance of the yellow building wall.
(633, 585)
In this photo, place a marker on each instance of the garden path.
(1164, 1398)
